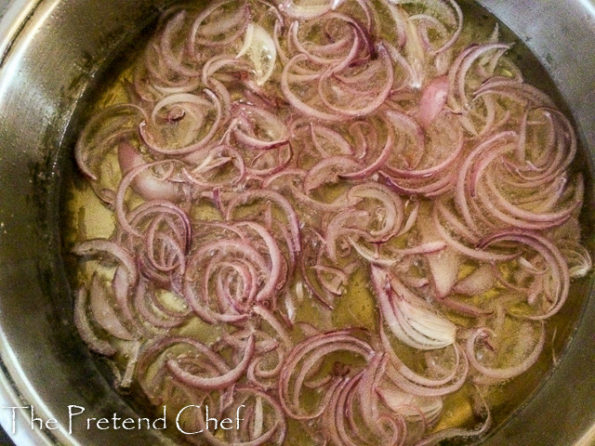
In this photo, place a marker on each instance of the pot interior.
(52, 73)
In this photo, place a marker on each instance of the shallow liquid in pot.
(86, 217)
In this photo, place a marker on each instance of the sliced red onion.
(329, 170)
(98, 246)
(103, 131)
(409, 317)
(412, 407)
(276, 198)
(81, 321)
(324, 53)
(275, 434)
(464, 308)
(104, 313)
(346, 223)
(432, 100)
(416, 384)
(306, 9)
(148, 311)
(252, 179)
(392, 209)
(458, 98)
(204, 34)
(295, 100)
(335, 139)
(513, 89)
(506, 372)
(479, 281)
(500, 140)
(551, 254)
(254, 120)
(445, 434)
(317, 347)
(578, 259)
(472, 252)
(121, 289)
(127, 180)
(260, 48)
(395, 254)
(355, 105)
(171, 59)
(148, 138)
(274, 323)
(201, 267)
(377, 163)
(145, 183)
(218, 382)
(443, 265)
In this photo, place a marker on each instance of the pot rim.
(15, 392)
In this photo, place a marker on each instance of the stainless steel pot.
(52, 52)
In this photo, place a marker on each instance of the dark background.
(5, 439)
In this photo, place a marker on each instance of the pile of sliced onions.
(260, 166)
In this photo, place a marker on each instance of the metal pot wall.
(52, 53)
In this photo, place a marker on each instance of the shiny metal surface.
(561, 35)
(52, 53)
(55, 56)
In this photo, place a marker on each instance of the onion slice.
(218, 382)
(410, 319)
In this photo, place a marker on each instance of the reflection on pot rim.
(26, 148)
